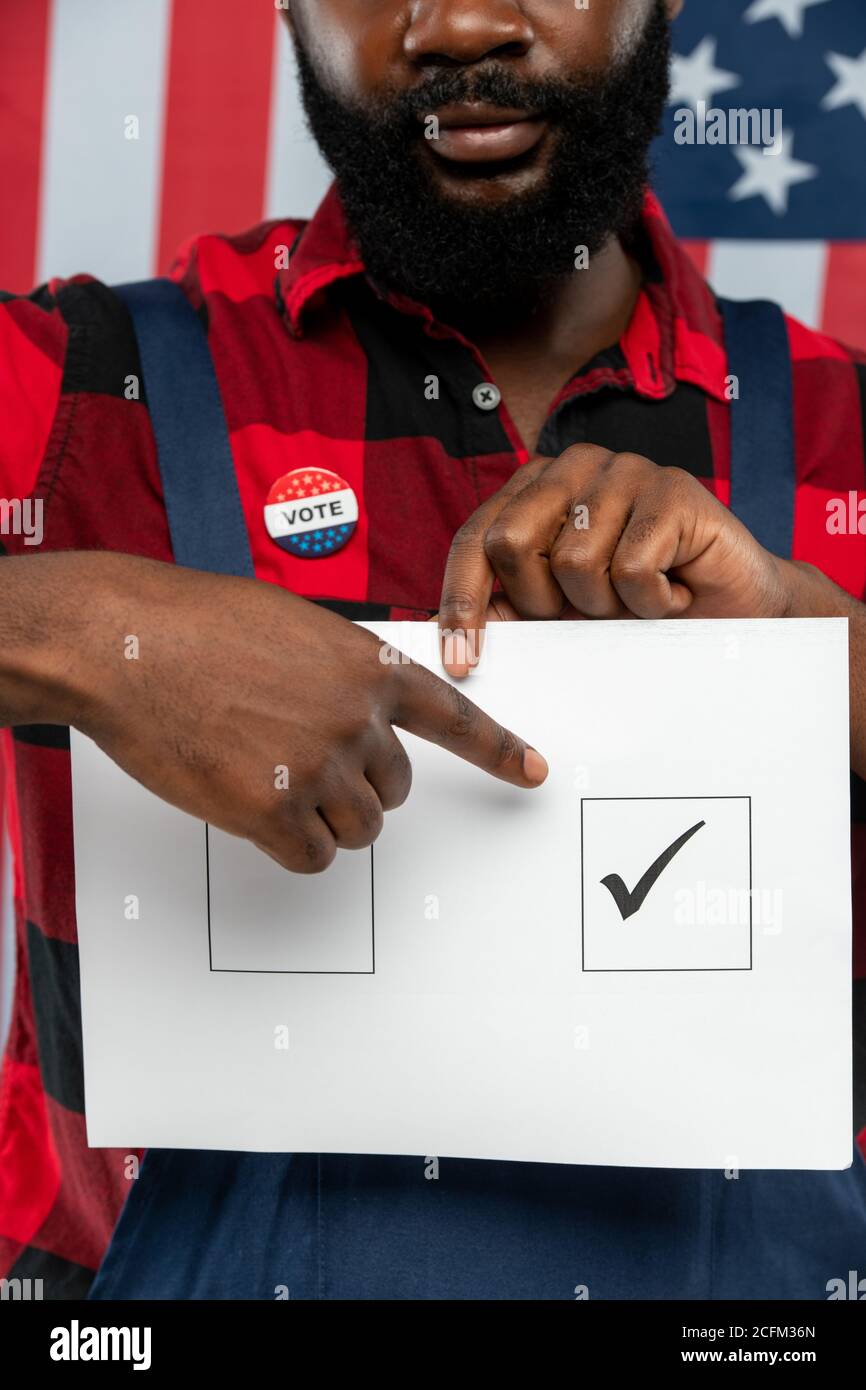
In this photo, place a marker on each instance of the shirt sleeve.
(33, 341)
(829, 415)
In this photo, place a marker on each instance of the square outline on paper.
(663, 969)
(228, 970)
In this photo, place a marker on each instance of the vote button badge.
(311, 513)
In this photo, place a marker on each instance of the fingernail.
(459, 650)
(535, 768)
(454, 652)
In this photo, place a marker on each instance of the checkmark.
(630, 902)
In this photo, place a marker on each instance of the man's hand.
(234, 688)
(599, 535)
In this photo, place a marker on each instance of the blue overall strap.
(762, 421)
(205, 516)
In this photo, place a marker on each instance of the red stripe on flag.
(843, 313)
(217, 120)
(699, 252)
(24, 45)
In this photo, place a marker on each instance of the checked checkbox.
(650, 866)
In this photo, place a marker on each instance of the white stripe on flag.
(100, 190)
(789, 272)
(297, 174)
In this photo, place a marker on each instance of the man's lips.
(476, 133)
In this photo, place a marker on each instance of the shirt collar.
(323, 252)
(674, 333)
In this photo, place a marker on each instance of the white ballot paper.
(645, 961)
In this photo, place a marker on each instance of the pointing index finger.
(442, 714)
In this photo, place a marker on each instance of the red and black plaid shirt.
(317, 367)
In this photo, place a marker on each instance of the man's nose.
(466, 31)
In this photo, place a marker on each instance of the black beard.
(416, 240)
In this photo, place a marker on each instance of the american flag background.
(792, 226)
(128, 125)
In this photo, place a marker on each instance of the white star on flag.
(850, 89)
(770, 176)
(696, 78)
(788, 12)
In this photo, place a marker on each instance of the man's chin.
(472, 240)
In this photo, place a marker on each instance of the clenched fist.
(594, 534)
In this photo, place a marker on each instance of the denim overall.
(215, 1225)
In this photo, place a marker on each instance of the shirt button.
(486, 396)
